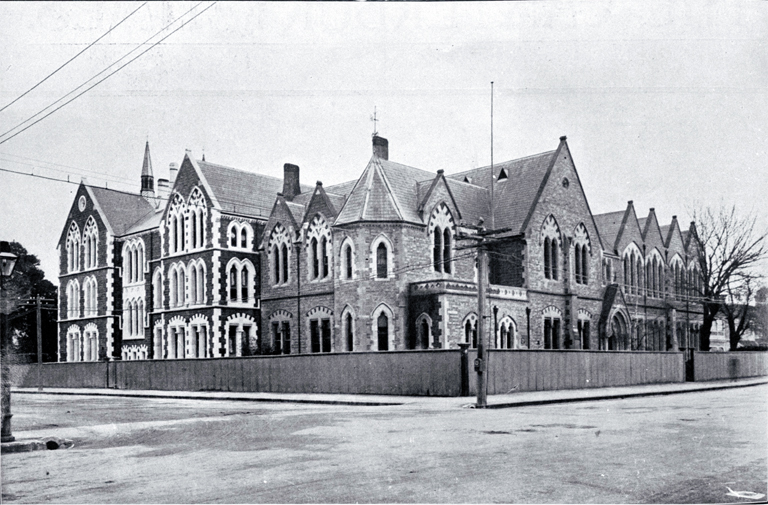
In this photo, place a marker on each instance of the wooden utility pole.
(38, 301)
(481, 362)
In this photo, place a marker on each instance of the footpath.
(513, 399)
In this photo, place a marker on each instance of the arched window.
(582, 251)
(313, 259)
(382, 324)
(506, 337)
(181, 290)
(470, 330)
(423, 333)
(233, 284)
(176, 296)
(200, 282)
(349, 331)
(279, 255)
(381, 261)
(73, 248)
(244, 281)
(243, 237)
(284, 262)
(90, 240)
(347, 260)
(73, 299)
(550, 235)
(447, 248)
(157, 290)
(382, 329)
(176, 223)
(233, 235)
(441, 230)
(318, 240)
(140, 319)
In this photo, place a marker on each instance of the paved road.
(671, 449)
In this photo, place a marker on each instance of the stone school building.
(216, 262)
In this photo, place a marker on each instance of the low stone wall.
(709, 366)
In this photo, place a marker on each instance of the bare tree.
(738, 311)
(728, 249)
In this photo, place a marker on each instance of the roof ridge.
(238, 170)
(504, 162)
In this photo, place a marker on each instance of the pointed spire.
(146, 169)
(147, 179)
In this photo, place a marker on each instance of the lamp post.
(7, 262)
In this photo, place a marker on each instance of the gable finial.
(375, 120)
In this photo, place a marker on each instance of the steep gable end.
(629, 232)
(319, 203)
(284, 214)
(674, 242)
(652, 232)
(438, 191)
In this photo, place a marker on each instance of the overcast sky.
(665, 104)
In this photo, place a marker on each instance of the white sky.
(663, 103)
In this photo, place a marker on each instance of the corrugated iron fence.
(413, 373)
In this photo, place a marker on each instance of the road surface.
(684, 448)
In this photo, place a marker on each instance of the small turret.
(147, 179)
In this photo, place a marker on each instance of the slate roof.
(344, 188)
(513, 198)
(243, 192)
(121, 210)
(608, 226)
(642, 221)
(474, 202)
(386, 191)
(148, 222)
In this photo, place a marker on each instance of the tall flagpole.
(493, 224)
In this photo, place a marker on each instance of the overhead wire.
(72, 58)
(108, 75)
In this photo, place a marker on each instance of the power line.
(108, 75)
(98, 74)
(111, 178)
(72, 58)
(263, 211)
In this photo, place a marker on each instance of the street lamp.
(7, 262)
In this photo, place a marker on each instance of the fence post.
(464, 368)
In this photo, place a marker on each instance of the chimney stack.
(163, 191)
(291, 184)
(380, 147)
(173, 169)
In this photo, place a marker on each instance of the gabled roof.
(474, 201)
(148, 222)
(608, 225)
(515, 198)
(242, 192)
(120, 210)
(386, 191)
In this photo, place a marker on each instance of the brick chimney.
(291, 184)
(380, 147)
